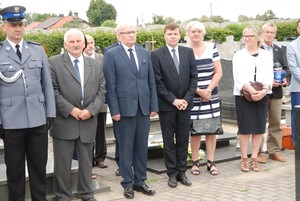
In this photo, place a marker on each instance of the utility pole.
(210, 9)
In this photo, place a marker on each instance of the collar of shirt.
(13, 45)
(80, 66)
(269, 49)
(134, 53)
(171, 48)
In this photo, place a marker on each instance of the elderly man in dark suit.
(176, 81)
(27, 102)
(132, 99)
(100, 149)
(79, 89)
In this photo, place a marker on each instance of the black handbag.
(211, 125)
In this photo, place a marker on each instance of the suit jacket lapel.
(87, 70)
(69, 66)
(125, 57)
(170, 59)
(11, 52)
(25, 52)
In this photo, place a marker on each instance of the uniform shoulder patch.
(33, 43)
(1, 43)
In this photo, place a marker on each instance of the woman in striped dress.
(209, 74)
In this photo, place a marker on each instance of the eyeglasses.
(128, 32)
(249, 36)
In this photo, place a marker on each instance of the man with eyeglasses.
(132, 100)
(274, 139)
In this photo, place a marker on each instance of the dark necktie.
(133, 63)
(76, 68)
(18, 51)
(175, 59)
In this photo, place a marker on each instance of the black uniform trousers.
(30, 144)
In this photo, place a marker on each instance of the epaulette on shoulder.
(33, 43)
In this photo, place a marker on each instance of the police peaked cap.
(13, 13)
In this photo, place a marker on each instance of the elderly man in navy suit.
(132, 100)
(176, 81)
(27, 102)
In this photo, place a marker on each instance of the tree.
(109, 23)
(99, 11)
(158, 19)
(268, 15)
(70, 13)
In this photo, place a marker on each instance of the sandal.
(211, 164)
(196, 170)
(244, 164)
(254, 165)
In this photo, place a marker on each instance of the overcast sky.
(129, 10)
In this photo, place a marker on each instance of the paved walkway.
(275, 182)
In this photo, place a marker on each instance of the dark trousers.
(32, 144)
(132, 135)
(100, 142)
(175, 127)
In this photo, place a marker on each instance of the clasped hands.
(258, 95)
(180, 104)
(204, 94)
(80, 114)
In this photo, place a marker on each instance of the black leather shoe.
(118, 172)
(101, 164)
(144, 189)
(172, 182)
(128, 192)
(184, 180)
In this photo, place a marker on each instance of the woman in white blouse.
(249, 65)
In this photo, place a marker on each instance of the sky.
(128, 11)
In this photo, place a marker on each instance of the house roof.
(32, 25)
(48, 23)
(56, 22)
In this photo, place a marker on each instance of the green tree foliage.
(109, 23)
(268, 15)
(213, 18)
(99, 11)
(158, 19)
(244, 18)
(37, 17)
(70, 13)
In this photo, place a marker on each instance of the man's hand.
(76, 112)
(116, 117)
(180, 104)
(152, 114)
(85, 114)
(50, 121)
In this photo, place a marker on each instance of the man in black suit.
(176, 80)
(274, 139)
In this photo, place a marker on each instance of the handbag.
(207, 126)
(258, 87)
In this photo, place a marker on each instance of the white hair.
(72, 31)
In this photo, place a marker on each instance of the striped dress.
(205, 67)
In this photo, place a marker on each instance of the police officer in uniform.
(27, 107)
